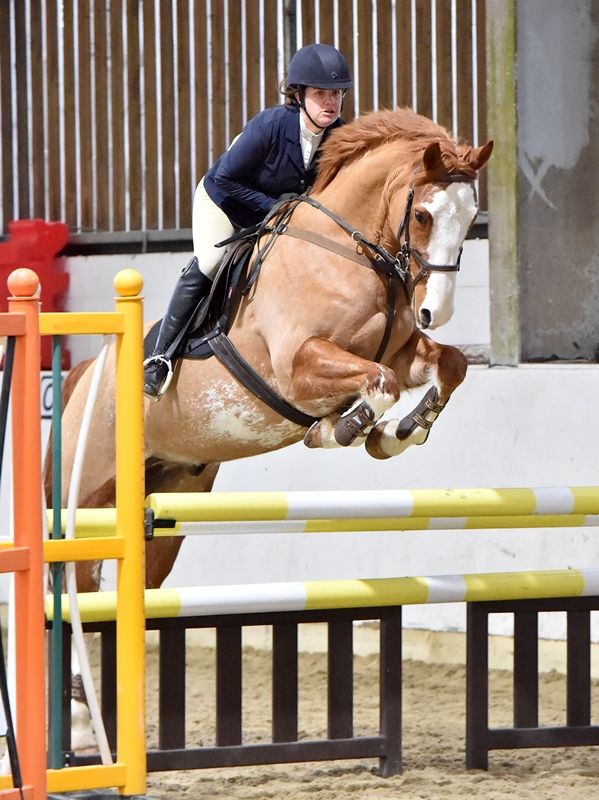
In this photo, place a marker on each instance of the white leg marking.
(391, 445)
(82, 734)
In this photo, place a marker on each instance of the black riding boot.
(191, 288)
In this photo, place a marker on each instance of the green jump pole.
(55, 757)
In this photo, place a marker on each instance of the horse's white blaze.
(452, 211)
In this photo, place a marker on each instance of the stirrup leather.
(169, 376)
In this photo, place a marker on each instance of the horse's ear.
(479, 157)
(431, 158)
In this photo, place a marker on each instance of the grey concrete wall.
(558, 186)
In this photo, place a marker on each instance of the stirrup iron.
(169, 376)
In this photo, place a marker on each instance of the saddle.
(216, 313)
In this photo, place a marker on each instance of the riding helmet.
(321, 66)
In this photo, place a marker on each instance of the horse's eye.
(421, 217)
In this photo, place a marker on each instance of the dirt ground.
(433, 739)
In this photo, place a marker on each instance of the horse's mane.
(368, 131)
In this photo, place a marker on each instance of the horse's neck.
(357, 191)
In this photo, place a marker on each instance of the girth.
(232, 360)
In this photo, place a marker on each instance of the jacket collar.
(292, 132)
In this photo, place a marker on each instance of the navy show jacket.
(265, 162)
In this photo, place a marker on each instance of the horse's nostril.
(425, 317)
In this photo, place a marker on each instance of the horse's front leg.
(420, 361)
(324, 376)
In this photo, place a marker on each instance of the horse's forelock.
(454, 161)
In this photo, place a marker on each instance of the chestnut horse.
(313, 322)
(398, 194)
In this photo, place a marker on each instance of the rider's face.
(323, 106)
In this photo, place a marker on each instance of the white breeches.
(209, 225)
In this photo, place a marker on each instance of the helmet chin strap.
(302, 96)
(302, 104)
(316, 125)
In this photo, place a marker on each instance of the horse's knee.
(381, 390)
(452, 367)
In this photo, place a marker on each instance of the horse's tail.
(68, 387)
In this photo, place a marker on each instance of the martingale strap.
(327, 244)
(232, 360)
(381, 260)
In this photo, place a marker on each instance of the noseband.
(407, 249)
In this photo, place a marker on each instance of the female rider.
(275, 154)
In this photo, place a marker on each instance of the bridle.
(407, 249)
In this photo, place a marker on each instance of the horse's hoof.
(373, 445)
(321, 433)
(312, 438)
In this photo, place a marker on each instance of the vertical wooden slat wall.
(253, 56)
(168, 115)
(217, 82)
(183, 111)
(133, 106)
(112, 110)
(70, 120)
(102, 134)
(199, 38)
(86, 123)
(443, 64)
(6, 114)
(403, 61)
(37, 115)
(22, 138)
(481, 93)
(151, 155)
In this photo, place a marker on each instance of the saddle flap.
(217, 312)
(213, 313)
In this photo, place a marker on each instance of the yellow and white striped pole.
(400, 503)
(352, 593)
